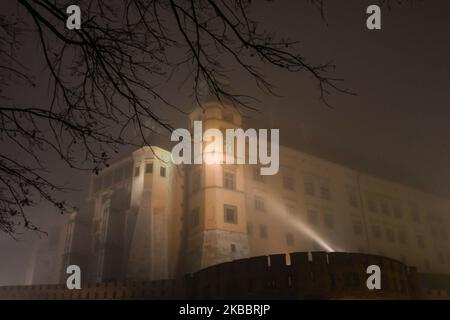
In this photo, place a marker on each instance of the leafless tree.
(105, 79)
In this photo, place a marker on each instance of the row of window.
(149, 170)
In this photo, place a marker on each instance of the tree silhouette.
(105, 78)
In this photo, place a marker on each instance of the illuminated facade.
(150, 219)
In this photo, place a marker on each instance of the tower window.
(149, 168)
(230, 214)
(162, 171)
(136, 171)
(233, 247)
(259, 204)
(229, 180)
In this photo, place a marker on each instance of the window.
(259, 204)
(385, 208)
(233, 247)
(249, 228)
(288, 182)
(289, 239)
(257, 174)
(230, 214)
(328, 219)
(136, 172)
(376, 231)
(162, 171)
(372, 206)
(149, 168)
(195, 217)
(353, 200)
(415, 215)
(325, 192)
(290, 209)
(312, 216)
(398, 213)
(263, 231)
(309, 188)
(402, 237)
(357, 228)
(390, 235)
(195, 185)
(229, 180)
(421, 241)
(433, 232)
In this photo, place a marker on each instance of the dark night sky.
(397, 126)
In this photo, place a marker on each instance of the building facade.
(148, 219)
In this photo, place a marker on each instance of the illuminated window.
(162, 171)
(230, 214)
(229, 180)
(149, 168)
(259, 204)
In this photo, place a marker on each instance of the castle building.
(149, 219)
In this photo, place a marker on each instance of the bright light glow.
(301, 226)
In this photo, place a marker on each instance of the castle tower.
(216, 226)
